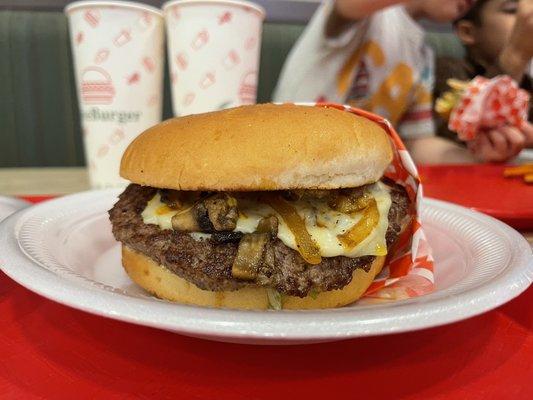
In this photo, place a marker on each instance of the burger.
(260, 206)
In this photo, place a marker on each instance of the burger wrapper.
(489, 104)
(408, 270)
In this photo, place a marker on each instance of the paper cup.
(213, 50)
(118, 63)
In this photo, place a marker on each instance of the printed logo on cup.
(121, 117)
(96, 86)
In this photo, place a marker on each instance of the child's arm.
(518, 51)
(346, 12)
(498, 145)
(359, 9)
(437, 150)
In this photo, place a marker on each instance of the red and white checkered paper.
(409, 266)
(489, 104)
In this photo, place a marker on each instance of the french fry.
(526, 169)
(449, 99)
(457, 84)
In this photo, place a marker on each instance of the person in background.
(372, 54)
(498, 39)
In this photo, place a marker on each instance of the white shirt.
(381, 64)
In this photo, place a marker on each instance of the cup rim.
(111, 3)
(239, 3)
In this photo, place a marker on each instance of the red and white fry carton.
(489, 104)
(408, 271)
(118, 51)
(213, 48)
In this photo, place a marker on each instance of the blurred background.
(39, 118)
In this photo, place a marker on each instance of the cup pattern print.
(92, 17)
(101, 56)
(214, 53)
(118, 62)
(231, 60)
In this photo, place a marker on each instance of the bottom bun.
(159, 281)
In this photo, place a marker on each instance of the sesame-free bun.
(159, 281)
(260, 147)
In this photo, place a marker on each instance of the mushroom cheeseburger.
(278, 206)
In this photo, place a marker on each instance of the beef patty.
(207, 263)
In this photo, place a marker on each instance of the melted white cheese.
(331, 223)
(158, 213)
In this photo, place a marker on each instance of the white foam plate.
(8, 205)
(64, 250)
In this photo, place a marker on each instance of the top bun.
(260, 147)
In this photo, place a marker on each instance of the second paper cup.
(213, 49)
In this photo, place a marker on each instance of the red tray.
(482, 188)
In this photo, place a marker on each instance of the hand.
(527, 130)
(523, 29)
(518, 51)
(497, 145)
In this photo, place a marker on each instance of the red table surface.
(483, 188)
(52, 351)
